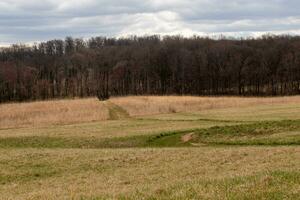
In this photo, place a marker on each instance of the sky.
(28, 21)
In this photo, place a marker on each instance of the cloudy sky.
(38, 20)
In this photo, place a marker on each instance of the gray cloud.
(35, 20)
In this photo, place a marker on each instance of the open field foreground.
(151, 148)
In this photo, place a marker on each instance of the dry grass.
(149, 105)
(259, 112)
(145, 173)
(92, 174)
(51, 112)
(107, 129)
(89, 110)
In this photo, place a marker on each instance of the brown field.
(149, 105)
(91, 110)
(151, 148)
(149, 173)
(51, 112)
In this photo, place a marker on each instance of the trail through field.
(187, 137)
(116, 112)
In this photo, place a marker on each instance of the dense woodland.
(154, 65)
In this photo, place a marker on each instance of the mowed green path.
(245, 153)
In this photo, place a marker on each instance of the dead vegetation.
(149, 105)
(142, 173)
(100, 160)
(89, 110)
(52, 112)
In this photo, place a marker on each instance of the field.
(151, 148)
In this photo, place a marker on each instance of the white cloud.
(35, 20)
(163, 23)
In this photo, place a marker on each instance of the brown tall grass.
(88, 110)
(148, 105)
(51, 112)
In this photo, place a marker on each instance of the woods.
(103, 67)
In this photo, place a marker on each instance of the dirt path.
(187, 137)
(116, 112)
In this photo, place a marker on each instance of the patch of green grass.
(165, 139)
(58, 142)
(168, 139)
(26, 171)
(190, 120)
(275, 185)
(259, 133)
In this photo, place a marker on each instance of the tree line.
(152, 65)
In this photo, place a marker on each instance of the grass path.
(116, 112)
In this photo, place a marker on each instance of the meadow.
(151, 147)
